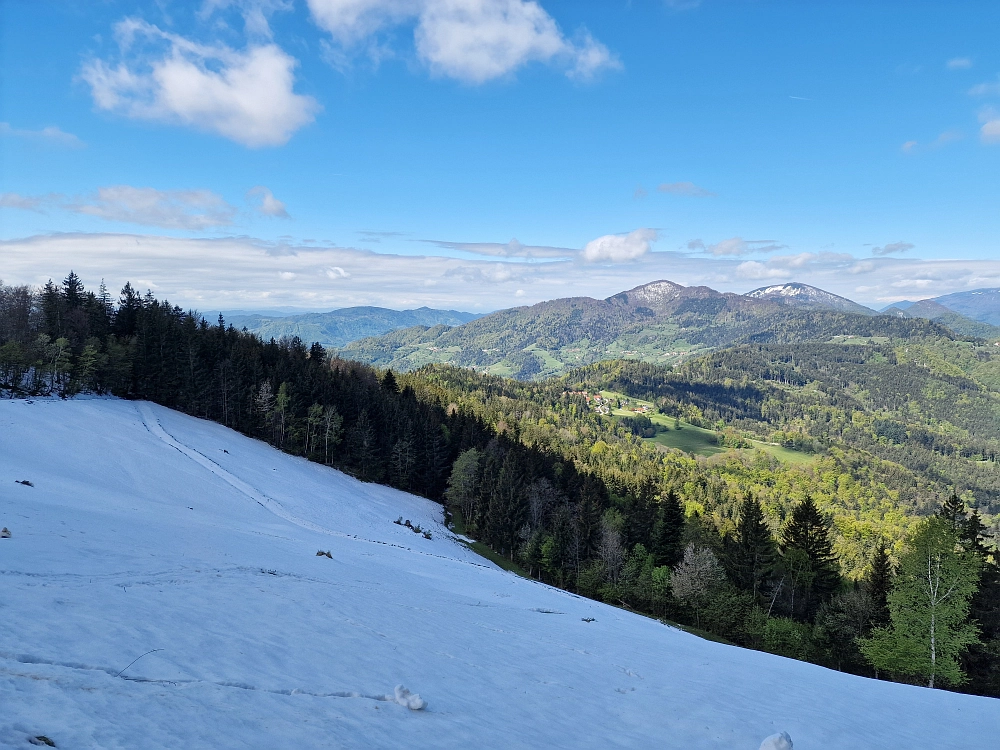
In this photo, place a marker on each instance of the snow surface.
(150, 531)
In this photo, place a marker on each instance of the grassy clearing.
(699, 440)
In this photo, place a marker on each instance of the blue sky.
(483, 153)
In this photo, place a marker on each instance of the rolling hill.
(162, 587)
(661, 322)
(340, 327)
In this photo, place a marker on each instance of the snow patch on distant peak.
(655, 291)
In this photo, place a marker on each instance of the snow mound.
(780, 741)
(412, 701)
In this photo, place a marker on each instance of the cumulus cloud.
(734, 246)
(892, 247)
(245, 96)
(958, 63)
(473, 41)
(619, 248)
(684, 188)
(265, 204)
(50, 135)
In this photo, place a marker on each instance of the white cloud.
(619, 248)
(256, 13)
(990, 131)
(336, 272)
(893, 247)
(170, 209)
(469, 40)
(958, 63)
(752, 269)
(684, 188)
(734, 246)
(265, 203)
(49, 135)
(511, 249)
(244, 96)
(986, 89)
(23, 202)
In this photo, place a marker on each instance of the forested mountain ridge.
(338, 328)
(660, 322)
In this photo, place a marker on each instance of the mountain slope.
(339, 327)
(979, 304)
(661, 322)
(165, 535)
(932, 310)
(809, 298)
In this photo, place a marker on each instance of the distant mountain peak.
(654, 294)
(804, 295)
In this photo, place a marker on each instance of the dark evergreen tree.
(751, 552)
(878, 583)
(668, 531)
(808, 532)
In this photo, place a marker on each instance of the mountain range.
(979, 305)
(337, 328)
(661, 322)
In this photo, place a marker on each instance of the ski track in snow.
(152, 424)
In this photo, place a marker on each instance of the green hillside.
(661, 323)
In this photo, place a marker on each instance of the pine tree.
(928, 609)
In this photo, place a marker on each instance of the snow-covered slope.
(147, 529)
(809, 297)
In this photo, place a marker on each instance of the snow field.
(147, 529)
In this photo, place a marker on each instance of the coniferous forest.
(826, 561)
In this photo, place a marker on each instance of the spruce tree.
(808, 531)
(668, 531)
(878, 583)
(752, 551)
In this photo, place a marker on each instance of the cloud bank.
(232, 273)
